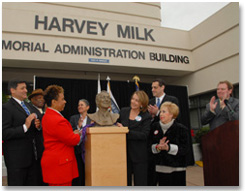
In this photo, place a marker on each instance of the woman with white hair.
(169, 142)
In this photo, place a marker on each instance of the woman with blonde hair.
(169, 142)
(138, 121)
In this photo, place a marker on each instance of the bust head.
(104, 116)
(103, 100)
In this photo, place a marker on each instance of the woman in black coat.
(79, 121)
(138, 121)
(169, 142)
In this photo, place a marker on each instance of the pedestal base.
(105, 156)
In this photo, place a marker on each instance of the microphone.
(228, 106)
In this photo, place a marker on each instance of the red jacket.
(58, 162)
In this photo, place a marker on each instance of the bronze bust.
(104, 116)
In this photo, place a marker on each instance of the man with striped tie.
(18, 127)
(158, 86)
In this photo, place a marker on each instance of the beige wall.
(215, 44)
(207, 79)
(212, 47)
(20, 27)
(133, 12)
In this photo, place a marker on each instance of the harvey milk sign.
(92, 29)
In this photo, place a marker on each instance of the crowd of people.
(41, 147)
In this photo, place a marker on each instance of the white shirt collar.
(17, 100)
(161, 98)
(39, 109)
(84, 121)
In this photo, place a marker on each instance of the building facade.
(79, 40)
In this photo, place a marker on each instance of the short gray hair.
(85, 101)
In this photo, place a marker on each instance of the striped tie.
(25, 108)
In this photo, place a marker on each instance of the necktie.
(25, 108)
(158, 102)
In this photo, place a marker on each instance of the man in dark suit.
(19, 125)
(225, 108)
(158, 86)
(160, 97)
(37, 106)
(79, 121)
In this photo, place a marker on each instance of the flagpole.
(115, 108)
(34, 82)
(108, 85)
(98, 88)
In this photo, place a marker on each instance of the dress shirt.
(84, 122)
(39, 109)
(161, 98)
(19, 102)
(80, 129)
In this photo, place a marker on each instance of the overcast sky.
(186, 15)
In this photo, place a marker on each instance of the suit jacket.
(166, 98)
(137, 136)
(176, 134)
(221, 116)
(58, 162)
(74, 121)
(38, 134)
(17, 145)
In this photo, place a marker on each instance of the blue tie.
(158, 102)
(25, 108)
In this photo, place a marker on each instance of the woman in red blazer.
(58, 162)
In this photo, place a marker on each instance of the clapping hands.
(163, 144)
(153, 110)
(29, 119)
(212, 104)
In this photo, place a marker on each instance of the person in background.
(79, 121)
(58, 162)
(170, 144)
(37, 105)
(158, 87)
(225, 108)
(138, 121)
(19, 125)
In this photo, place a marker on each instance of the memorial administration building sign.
(56, 38)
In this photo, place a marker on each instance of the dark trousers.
(80, 180)
(139, 170)
(23, 176)
(152, 175)
(172, 179)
